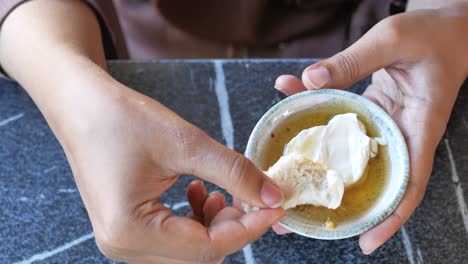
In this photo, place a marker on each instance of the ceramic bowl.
(397, 158)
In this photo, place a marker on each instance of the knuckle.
(348, 65)
(393, 28)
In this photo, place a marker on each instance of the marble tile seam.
(227, 128)
(457, 185)
(223, 102)
(11, 119)
(48, 254)
(407, 244)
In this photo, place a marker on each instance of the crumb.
(330, 224)
(381, 141)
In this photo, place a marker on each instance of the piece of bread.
(305, 182)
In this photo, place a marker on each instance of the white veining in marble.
(67, 190)
(248, 254)
(408, 245)
(11, 119)
(227, 128)
(419, 258)
(223, 102)
(50, 253)
(457, 185)
(177, 206)
(50, 169)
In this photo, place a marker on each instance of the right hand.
(127, 150)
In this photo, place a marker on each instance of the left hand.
(418, 61)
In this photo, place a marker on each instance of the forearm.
(53, 48)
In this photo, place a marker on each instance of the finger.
(372, 52)
(232, 171)
(213, 205)
(378, 235)
(280, 230)
(162, 234)
(289, 85)
(421, 157)
(192, 215)
(231, 235)
(228, 213)
(196, 195)
(382, 84)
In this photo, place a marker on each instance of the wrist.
(76, 94)
(459, 13)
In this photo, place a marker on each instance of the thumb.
(233, 172)
(378, 48)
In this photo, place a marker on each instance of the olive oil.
(357, 199)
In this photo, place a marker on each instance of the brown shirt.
(144, 29)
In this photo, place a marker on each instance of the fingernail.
(271, 195)
(367, 252)
(279, 89)
(220, 204)
(318, 77)
(197, 181)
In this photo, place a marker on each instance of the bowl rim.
(354, 230)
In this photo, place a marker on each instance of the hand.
(419, 61)
(126, 149)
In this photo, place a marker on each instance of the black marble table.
(43, 220)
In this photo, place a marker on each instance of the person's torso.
(236, 28)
